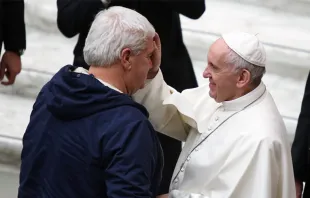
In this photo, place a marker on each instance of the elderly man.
(236, 144)
(87, 138)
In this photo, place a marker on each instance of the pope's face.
(222, 78)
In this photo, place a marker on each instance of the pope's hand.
(156, 58)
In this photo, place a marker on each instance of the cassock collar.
(246, 100)
(84, 71)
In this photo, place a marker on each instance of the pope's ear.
(244, 78)
(125, 58)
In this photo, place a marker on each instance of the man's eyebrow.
(211, 64)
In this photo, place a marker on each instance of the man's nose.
(206, 73)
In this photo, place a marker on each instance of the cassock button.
(196, 149)
(176, 180)
(217, 118)
(182, 169)
(188, 158)
(209, 128)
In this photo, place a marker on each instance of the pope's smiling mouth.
(211, 85)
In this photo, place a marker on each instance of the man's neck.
(111, 74)
(245, 91)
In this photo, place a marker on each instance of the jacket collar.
(84, 71)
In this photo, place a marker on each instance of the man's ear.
(244, 78)
(126, 54)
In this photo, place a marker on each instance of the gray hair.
(113, 30)
(238, 63)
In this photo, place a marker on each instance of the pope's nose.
(206, 73)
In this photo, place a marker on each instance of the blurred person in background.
(301, 147)
(13, 37)
(75, 16)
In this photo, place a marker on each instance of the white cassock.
(234, 149)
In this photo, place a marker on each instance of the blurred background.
(283, 26)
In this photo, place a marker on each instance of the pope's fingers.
(155, 46)
(157, 40)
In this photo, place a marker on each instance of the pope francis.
(235, 138)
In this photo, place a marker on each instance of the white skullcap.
(247, 46)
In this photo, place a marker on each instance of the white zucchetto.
(247, 46)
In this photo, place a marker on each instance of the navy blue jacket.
(85, 140)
